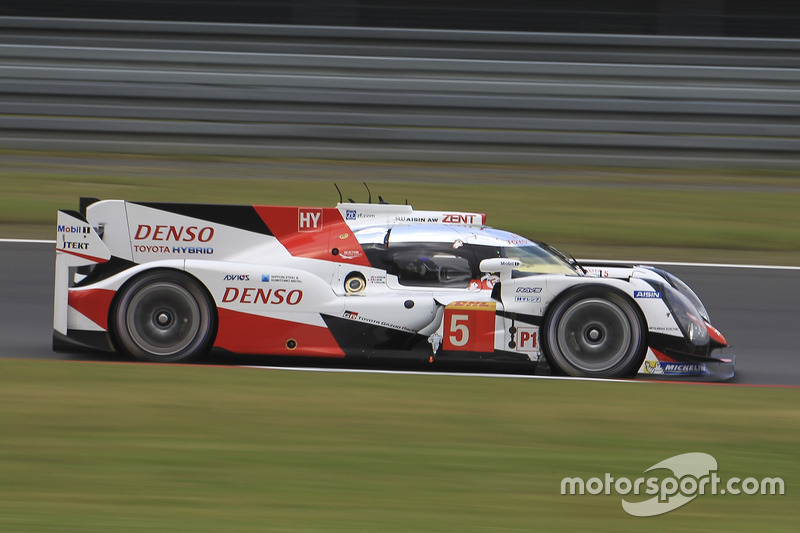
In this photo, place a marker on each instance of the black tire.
(164, 316)
(595, 331)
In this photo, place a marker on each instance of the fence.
(393, 94)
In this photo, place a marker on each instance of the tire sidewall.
(636, 351)
(207, 311)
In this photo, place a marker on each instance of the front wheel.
(164, 316)
(595, 332)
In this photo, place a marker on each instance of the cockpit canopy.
(449, 256)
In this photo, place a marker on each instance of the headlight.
(685, 290)
(688, 317)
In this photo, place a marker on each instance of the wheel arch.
(598, 289)
(169, 270)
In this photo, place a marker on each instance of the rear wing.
(364, 215)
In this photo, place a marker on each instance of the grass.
(727, 216)
(117, 447)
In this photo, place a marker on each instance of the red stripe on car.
(252, 334)
(313, 232)
(92, 303)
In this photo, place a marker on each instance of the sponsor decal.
(352, 315)
(174, 233)
(646, 294)
(484, 306)
(457, 218)
(529, 290)
(429, 220)
(236, 277)
(73, 229)
(528, 299)
(69, 245)
(280, 278)
(344, 236)
(528, 340)
(674, 369)
(518, 242)
(352, 214)
(378, 280)
(156, 249)
(254, 295)
(309, 220)
(662, 328)
(350, 254)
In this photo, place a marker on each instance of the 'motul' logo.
(693, 474)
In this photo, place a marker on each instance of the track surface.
(755, 308)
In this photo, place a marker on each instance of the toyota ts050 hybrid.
(168, 282)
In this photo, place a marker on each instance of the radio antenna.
(340, 192)
(369, 192)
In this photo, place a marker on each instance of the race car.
(167, 282)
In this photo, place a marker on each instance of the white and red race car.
(168, 282)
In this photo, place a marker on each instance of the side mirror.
(501, 265)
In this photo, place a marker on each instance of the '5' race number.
(469, 326)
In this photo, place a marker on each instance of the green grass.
(114, 447)
(729, 216)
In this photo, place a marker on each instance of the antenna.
(337, 190)
(369, 192)
(381, 200)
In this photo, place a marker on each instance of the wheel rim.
(163, 318)
(594, 335)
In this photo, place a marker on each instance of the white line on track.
(29, 241)
(607, 261)
(433, 373)
(705, 265)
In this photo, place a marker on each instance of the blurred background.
(730, 18)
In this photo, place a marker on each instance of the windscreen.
(537, 260)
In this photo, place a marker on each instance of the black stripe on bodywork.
(101, 271)
(533, 320)
(242, 217)
(359, 338)
(678, 348)
(82, 339)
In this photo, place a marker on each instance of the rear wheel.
(595, 332)
(164, 316)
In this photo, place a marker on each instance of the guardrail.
(360, 93)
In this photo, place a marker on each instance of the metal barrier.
(393, 94)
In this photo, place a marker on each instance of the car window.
(425, 266)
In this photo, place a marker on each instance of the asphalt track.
(756, 308)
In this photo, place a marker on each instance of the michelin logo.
(674, 369)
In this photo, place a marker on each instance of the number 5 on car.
(469, 326)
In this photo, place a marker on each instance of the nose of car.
(715, 335)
